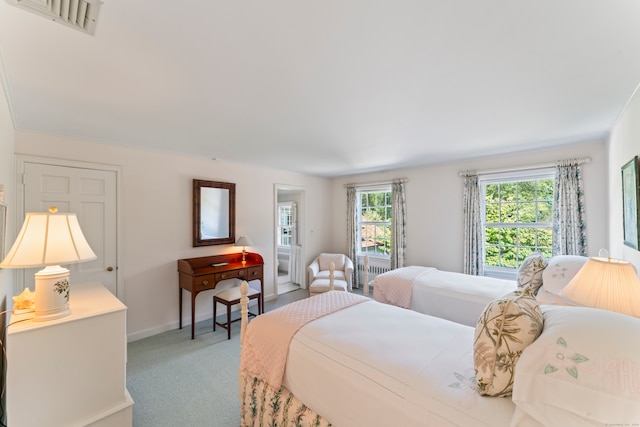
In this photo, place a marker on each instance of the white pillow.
(560, 270)
(545, 297)
(584, 369)
(325, 260)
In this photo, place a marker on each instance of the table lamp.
(48, 240)
(244, 241)
(606, 283)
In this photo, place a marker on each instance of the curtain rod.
(523, 168)
(373, 184)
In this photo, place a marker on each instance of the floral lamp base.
(52, 293)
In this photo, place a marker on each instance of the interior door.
(92, 195)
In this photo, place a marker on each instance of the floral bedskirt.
(260, 405)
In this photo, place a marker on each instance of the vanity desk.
(204, 273)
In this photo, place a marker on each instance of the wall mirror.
(214, 213)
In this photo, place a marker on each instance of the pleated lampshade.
(608, 284)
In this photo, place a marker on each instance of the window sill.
(502, 273)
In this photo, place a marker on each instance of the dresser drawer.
(233, 274)
(254, 273)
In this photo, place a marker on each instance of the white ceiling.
(327, 87)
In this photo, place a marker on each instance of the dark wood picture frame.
(630, 197)
(222, 212)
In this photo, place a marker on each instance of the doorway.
(289, 237)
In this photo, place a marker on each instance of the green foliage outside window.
(518, 221)
(375, 223)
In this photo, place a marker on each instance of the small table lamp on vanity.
(244, 241)
(48, 240)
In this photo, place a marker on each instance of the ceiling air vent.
(79, 14)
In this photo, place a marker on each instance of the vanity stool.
(231, 297)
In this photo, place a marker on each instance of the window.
(374, 221)
(285, 224)
(518, 218)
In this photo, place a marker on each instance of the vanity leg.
(193, 314)
(180, 307)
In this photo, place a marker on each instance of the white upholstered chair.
(319, 270)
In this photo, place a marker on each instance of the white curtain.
(398, 223)
(351, 231)
(569, 226)
(296, 269)
(473, 246)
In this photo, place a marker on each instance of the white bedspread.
(452, 296)
(403, 369)
(456, 296)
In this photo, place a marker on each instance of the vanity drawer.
(204, 282)
(232, 274)
(254, 273)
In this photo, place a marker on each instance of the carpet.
(176, 381)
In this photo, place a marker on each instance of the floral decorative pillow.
(530, 271)
(505, 328)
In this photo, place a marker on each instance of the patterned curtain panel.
(569, 226)
(351, 231)
(473, 253)
(398, 223)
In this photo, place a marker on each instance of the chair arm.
(348, 272)
(312, 271)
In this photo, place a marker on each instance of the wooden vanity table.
(204, 273)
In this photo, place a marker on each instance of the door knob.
(109, 268)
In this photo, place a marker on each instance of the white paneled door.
(92, 195)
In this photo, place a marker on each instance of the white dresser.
(70, 371)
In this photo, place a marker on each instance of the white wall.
(434, 202)
(623, 144)
(157, 205)
(7, 177)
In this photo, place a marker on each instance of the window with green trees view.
(518, 219)
(374, 222)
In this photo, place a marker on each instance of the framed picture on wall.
(630, 196)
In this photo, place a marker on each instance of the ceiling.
(327, 88)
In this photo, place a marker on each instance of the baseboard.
(186, 324)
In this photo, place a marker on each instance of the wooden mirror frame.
(198, 214)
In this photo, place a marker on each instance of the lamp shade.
(48, 239)
(606, 283)
(244, 241)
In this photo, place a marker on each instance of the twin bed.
(345, 360)
(453, 296)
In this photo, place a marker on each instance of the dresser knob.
(205, 282)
